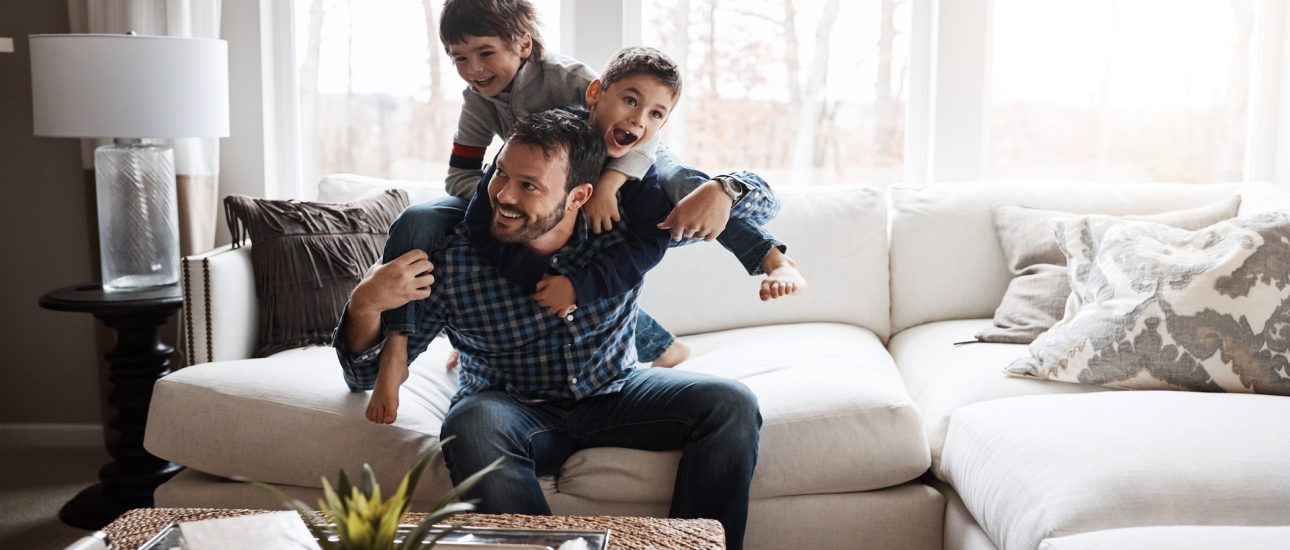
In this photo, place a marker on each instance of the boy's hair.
(555, 130)
(643, 60)
(509, 20)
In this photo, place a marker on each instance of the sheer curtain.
(196, 159)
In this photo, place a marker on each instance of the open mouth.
(509, 214)
(483, 83)
(623, 138)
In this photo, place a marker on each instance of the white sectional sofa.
(879, 431)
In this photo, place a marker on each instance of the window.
(378, 96)
(802, 92)
(1116, 90)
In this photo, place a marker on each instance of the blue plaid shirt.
(505, 339)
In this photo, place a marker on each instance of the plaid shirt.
(505, 339)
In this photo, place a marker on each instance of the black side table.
(138, 360)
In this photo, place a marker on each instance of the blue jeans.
(713, 421)
(424, 226)
(427, 225)
(744, 235)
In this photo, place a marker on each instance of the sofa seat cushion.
(836, 418)
(1184, 537)
(943, 377)
(1034, 467)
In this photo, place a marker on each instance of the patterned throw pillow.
(1153, 307)
(308, 257)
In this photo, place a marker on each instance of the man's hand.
(387, 286)
(601, 211)
(702, 214)
(556, 294)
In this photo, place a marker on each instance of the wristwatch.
(733, 187)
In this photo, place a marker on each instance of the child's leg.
(422, 226)
(655, 344)
(383, 407)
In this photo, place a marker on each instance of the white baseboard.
(18, 436)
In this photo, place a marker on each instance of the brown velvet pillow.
(308, 257)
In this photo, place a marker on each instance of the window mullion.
(962, 81)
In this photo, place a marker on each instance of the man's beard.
(531, 228)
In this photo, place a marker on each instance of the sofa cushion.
(1034, 467)
(308, 258)
(838, 420)
(946, 262)
(942, 377)
(1154, 307)
(1181, 537)
(1037, 293)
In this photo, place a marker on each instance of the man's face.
(488, 63)
(527, 192)
(629, 111)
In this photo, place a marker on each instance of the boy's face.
(488, 63)
(629, 111)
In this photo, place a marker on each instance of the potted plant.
(363, 520)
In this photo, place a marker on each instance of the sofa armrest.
(219, 305)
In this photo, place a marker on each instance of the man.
(536, 388)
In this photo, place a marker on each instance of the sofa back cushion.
(946, 262)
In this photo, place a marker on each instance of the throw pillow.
(1037, 293)
(308, 257)
(1153, 307)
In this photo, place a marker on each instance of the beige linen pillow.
(1037, 293)
(1153, 307)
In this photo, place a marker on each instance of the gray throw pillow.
(1037, 294)
(308, 257)
(1153, 307)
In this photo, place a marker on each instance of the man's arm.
(359, 336)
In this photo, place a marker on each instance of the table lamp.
(132, 89)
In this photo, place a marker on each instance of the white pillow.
(1153, 307)
(351, 187)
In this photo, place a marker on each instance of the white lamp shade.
(120, 86)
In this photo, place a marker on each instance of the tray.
(473, 538)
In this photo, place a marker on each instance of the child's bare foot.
(674, 355)
(451, 363)
(782, 277)
(383, 406)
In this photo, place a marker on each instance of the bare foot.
(383, 406)
(674, 355)
(782, 277)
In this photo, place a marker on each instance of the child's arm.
(602, 208)
(471, 140)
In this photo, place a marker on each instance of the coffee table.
(135, 527)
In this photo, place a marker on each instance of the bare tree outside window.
(803, 92)
(1120, 90)
(378, 95)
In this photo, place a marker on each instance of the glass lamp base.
(138, 215)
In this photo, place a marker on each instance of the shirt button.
(573, 379)
(555, 260)
(569, 317)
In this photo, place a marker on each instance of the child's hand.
(702, 214)
(601, 211)
(556, 294)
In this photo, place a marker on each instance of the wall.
(49, 370)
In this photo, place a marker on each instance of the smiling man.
(534, 388)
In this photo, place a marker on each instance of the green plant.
(365, 521)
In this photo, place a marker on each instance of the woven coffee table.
(135, 527)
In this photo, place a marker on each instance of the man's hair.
(555, 131)
(643, 60)
(509, 20)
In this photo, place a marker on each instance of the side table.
(135, 364)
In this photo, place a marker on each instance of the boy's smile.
(629, 111)
(488, 63)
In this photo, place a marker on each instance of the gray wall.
(49, 372)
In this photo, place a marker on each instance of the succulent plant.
(362, 520)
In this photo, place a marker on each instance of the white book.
(272, 531)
